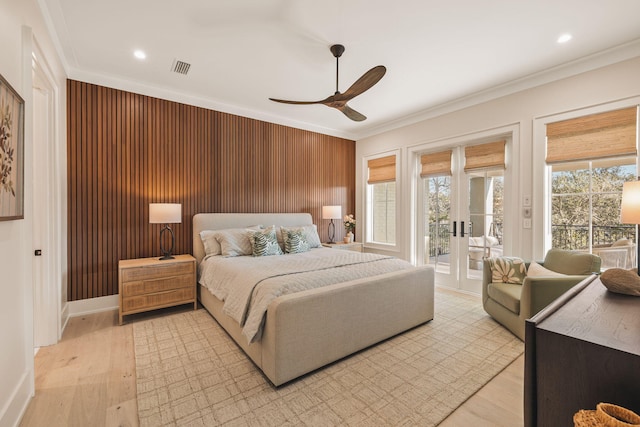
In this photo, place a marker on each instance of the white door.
(462, 222)
(48, 293)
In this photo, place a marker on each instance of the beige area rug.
(189, 372)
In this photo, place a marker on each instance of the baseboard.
(93, 305)
(14, 409)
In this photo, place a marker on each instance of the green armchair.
(511, 304)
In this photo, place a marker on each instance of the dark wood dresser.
(582, 349)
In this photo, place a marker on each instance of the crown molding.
(601, 59)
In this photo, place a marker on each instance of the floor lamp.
(630, 210)
(165, 213)
(331, 213)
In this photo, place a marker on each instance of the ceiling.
(439, 55)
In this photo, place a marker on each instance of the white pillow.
(211, 245)
(536, 270)
(235, 241)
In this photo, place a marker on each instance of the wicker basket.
(606, 415)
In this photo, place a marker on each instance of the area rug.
(189, 372)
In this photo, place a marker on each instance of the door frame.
(513, 184)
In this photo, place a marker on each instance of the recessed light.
(139, 54)
(564, 38)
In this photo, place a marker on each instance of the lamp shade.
(165, 213)
(630, 209)
(331, 212)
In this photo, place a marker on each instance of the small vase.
(350, 237)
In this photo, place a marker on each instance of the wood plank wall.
(127, 150)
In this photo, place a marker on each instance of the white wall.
(603, 85)
(20, 22)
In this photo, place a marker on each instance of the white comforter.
(248, 284)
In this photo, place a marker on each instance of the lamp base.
(331, 231)
(166, 253)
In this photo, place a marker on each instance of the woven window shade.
(489, 155)
(436, 164)
(610, 134)
(382, 170)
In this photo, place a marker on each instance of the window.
(585, 203)
(591, 157)
(585, 209)
(381, 200)
(383, 212)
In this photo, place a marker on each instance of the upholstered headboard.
(221, 221)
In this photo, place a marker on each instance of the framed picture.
(11, 153)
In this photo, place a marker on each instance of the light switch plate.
(526, 200)
(526, 223)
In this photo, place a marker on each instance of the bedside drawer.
(156, 271)
(157, 300)
(149, 283)
(157, 285)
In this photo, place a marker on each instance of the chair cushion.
(506, 294)
(571, 262)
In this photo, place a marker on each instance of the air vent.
(180, 67)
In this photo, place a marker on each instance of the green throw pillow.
(508, 270)
(296, 242)
(265, 242)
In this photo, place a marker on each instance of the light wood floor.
(88, 379)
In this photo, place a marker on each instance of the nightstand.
(148, 284)
(353, 246)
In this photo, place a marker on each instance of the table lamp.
(630, 209)
(331, 213)
(165, 213)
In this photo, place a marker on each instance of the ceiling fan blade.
(339, 100)
(352, 114)
(284, 101)
(364, 83)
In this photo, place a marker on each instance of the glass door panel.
(438, 227)
(462, 219)
(483, 233)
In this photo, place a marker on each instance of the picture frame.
(11, 153)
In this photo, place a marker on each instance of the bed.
(306, 330)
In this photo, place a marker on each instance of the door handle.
(461, 229)
(454, 229)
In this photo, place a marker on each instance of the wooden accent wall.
(127, 150)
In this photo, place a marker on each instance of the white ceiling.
(439, 54)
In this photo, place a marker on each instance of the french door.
(462, 219)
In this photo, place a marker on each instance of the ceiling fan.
(339, 100)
